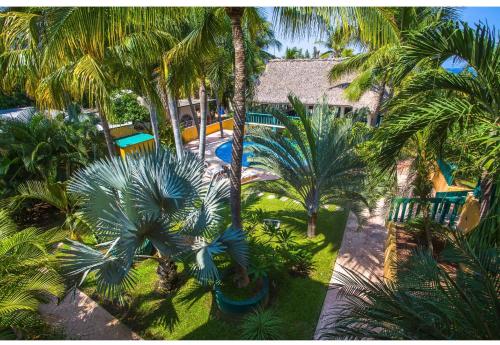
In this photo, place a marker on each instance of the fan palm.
(27, 275)
(154, 197)
(318, 165)
(456, 298)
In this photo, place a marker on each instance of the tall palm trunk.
(219, 116)
(194, 116)
(203, 122)
(170, 106)
(378, 105)
(153, 114)
(107, 133)
(174, 119)
(235, 13)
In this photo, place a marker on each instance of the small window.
(347, 110)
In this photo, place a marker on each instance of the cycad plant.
(317, 165)
(27, 276)
(155, 197)
(453, 298)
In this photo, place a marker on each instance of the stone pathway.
(361, 251)
(82, 318)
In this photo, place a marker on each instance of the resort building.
(308, 80)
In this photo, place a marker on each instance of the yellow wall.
(124, 131)
(440, 185)
(390, 254)
(470, 215)
(144, 146)
(190, 133)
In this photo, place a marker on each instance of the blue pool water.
(224, 152)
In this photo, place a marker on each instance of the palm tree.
(158, 198)
(293, 53)
(454, 298)
(336, 44)
(374, 65)
(317, 165)
(379, 31)
(27, 276)
(236, 14)
(438, 101)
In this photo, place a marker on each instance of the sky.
(472, 15)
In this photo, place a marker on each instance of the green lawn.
(192, 314)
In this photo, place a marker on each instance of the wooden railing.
(264, 119)
(443, 210)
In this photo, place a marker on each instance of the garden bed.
(191, 312)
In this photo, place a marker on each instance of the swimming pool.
(223, 151)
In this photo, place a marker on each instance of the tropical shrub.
(56, 195)
(455, 297)
(44, 149)
(127, 108)
(14, 99)
(262, 325)
(154, 198)
(318, 165)
(27, 277)
(299, 261)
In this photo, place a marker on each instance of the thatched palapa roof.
(308, 80)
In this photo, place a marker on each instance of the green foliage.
(56, 195)
(45, 149)
(318, 164)
(153, 197)
(27, 276)
(262, 325)
(126, 108)
(461, 103)
(14, 99)
(450, 299)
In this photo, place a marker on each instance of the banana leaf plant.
(152, 198)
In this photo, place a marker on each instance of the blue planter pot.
(228, 305)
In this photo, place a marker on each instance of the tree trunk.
(311, 225)
(427, 230)
(203, 123)
(194, 116)
(235, 13)
(107, 133)
(170, 105)
(378, 105)
(168, 277)
(154, 123)
(486, 195)
(219, 116)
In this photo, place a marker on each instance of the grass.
(191, 313)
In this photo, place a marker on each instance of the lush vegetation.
(126, 108)
(453, 298)
(28, 277)
(317, 164)
(191, 312)
(150, 235)
(45, 149)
